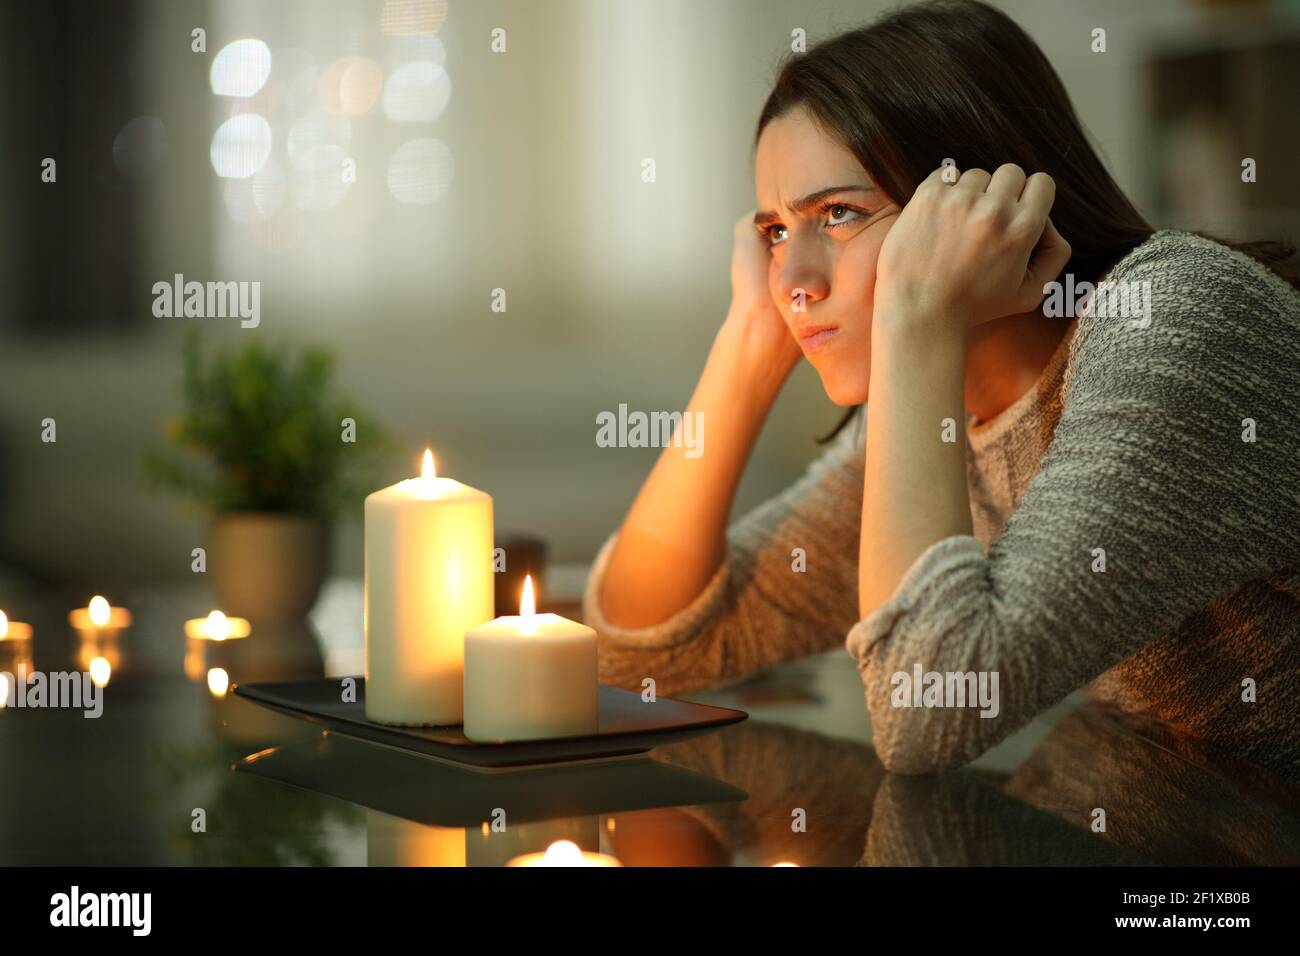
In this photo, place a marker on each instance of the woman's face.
(824, 221)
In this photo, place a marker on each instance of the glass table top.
(178, 770)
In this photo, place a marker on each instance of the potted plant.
(263, 448)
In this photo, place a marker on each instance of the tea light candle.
(14, 630)
(217, 627)
(428, 543)
(530, 677)
(564, 853)
(99, 615)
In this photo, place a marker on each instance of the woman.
(1048, 500)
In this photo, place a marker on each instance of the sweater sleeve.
(1147, 505)
(786, 589)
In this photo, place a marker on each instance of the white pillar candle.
(428, 580)
(530, 677)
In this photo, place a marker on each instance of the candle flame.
(527, 603)
(427, 470)
(4, 624)
(99, 611)
(218, 682)
(218, 626)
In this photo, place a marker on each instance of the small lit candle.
(99, 615)
(14, 630)
(217, 627)
(531, 676)
(564, 853)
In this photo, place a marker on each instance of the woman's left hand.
(970, 251)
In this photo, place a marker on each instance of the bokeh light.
(237, 196)
(421, 171)
(240, 68)
(241, 146)
(269, 187)
(299, 75)
(319, 140)
(402, 17)
(420, 46)
(315, 189)
(417, 92)
(351, 85)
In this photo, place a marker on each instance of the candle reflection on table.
(99, 654)
(15, 664)
(564, 853)
(218, 682)
(101, 670)
(394, 841)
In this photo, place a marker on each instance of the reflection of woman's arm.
(957, 819)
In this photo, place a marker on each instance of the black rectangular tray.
(628, 725)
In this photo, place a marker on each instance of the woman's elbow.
(923, 741)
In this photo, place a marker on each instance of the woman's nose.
(801, 281)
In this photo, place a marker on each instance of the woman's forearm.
(674, 537)
(914, 491)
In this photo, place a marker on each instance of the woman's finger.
(1037, 198)
(939, 178)
(1046, 262)
(974, 180)
(1007, 184)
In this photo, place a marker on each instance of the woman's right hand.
(754, 322)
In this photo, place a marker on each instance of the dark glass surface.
(796, 783)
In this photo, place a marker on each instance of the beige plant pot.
(267, 567)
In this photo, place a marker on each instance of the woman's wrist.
(758, 356)
(943, 327)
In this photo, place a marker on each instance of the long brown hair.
(958, 80)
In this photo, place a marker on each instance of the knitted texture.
(1127, 538)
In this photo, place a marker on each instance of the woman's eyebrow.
(812, 199)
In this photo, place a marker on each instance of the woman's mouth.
(814, 337)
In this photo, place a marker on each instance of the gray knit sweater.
(1129, 538)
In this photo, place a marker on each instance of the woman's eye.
(840, 214)
(773, 235)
